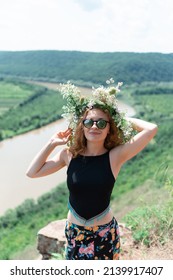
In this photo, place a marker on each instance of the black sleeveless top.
(90, 182)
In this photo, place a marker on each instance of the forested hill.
(84, 67)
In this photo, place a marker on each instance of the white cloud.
(98, 25)
(89, 5)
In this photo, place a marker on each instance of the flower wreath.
(101, 97)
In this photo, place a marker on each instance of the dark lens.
(101, 124)
(88, 123)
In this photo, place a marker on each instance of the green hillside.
(87, 67)
(145, 186)
(25, 107)
(13, 92)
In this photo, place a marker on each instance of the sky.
(87, 25)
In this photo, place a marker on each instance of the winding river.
(17, 153)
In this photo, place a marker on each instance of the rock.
(51, 239)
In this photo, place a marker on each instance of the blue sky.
(87, 25)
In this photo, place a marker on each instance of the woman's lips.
(94, 132)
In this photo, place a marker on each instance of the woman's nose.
(94, 124)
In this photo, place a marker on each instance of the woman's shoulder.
(115, 162)
(66, 155)
(115, 154)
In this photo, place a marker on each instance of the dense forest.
(87, 67)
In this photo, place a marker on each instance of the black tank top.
(90, 182)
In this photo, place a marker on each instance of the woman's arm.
(41, 165)
(146, 131)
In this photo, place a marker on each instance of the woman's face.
(93, 133)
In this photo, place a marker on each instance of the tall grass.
(153, 225)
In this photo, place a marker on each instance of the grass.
(152, 224)
(12, 93)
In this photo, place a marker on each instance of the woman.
(101, 141)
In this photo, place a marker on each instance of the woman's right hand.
(61, 138)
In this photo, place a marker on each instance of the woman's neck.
(93, 149)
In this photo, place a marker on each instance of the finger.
(59, 134)
(64, 133)
(67, 132)
(68, 138)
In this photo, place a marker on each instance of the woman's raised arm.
(146, 131)
(41, 165)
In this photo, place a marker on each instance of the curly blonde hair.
(114, 137)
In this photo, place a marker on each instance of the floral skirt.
(92, 243)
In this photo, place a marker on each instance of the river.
(16, 154)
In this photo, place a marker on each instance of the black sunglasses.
(101, 124)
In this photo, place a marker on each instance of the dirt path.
(134, 251)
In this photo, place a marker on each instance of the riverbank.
(16, 154)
